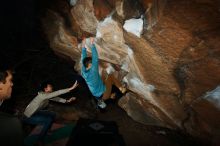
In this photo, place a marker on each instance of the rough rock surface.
(168, 69)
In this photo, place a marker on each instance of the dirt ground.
(137, 134)
(134, 133)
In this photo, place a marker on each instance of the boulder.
(168, 67)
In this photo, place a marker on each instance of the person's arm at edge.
(59, 99)
(95, 57)
(62, 91)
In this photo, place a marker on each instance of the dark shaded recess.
(133, 9)
(62, 7)
(19, 28)
(19, 32)
(25, 49)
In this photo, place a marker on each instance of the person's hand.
(71, 99)
(92, 40)
(83, 42)
(74, 86)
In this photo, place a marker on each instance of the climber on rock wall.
(100, 86)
